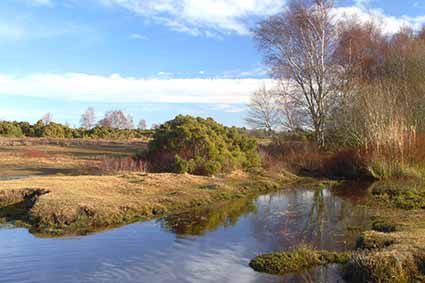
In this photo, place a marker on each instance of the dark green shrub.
(201, 146)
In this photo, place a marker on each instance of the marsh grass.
(68, 159)
(296, 261)
(408, 194)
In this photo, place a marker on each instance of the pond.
(204, 245)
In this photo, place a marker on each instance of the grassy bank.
(81, 204)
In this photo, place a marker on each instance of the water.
(10, 178)
(208, 245)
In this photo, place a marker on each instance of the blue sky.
(151, 58)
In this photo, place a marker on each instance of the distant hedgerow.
(59, 131)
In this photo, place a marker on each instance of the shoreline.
(67, 205)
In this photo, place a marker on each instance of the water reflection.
(202, 220)
(203, 245)
(9, 178)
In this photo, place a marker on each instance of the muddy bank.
(83, 204)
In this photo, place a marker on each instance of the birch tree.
(298, 45)
(264, 112)
(47, 119)
(87, 120)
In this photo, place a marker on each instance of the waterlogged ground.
(208, 245)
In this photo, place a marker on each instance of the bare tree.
(47, 119)
(293, 115)
(87, 120)
(117, 120)
(298, 45)
(264, 111)
(130, 122)
(142, 124)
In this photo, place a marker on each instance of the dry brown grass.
(395, 258)
(83, 159)
(17, 166)
(87, 202)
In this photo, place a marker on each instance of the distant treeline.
(56, 130)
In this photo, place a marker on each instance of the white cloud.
(206, 17)
(165, 74)
(138, 36)
(114, 88)
(229, 108)
(213, 18)
(257, 72)
(389, 24)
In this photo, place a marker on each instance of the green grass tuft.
(296, 261)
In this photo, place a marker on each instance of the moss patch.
(384, 226)
(296, 261)
(373, 240)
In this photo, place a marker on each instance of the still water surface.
(203, 245)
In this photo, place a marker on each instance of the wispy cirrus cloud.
(216, 18)
(138, 36)
(206, 17)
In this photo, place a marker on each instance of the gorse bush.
(10, 130)
(201, 146)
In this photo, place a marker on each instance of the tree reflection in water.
(203, 220)
(318, 217)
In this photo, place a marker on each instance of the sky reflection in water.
(204, 245)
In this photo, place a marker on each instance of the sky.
(153, 59)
